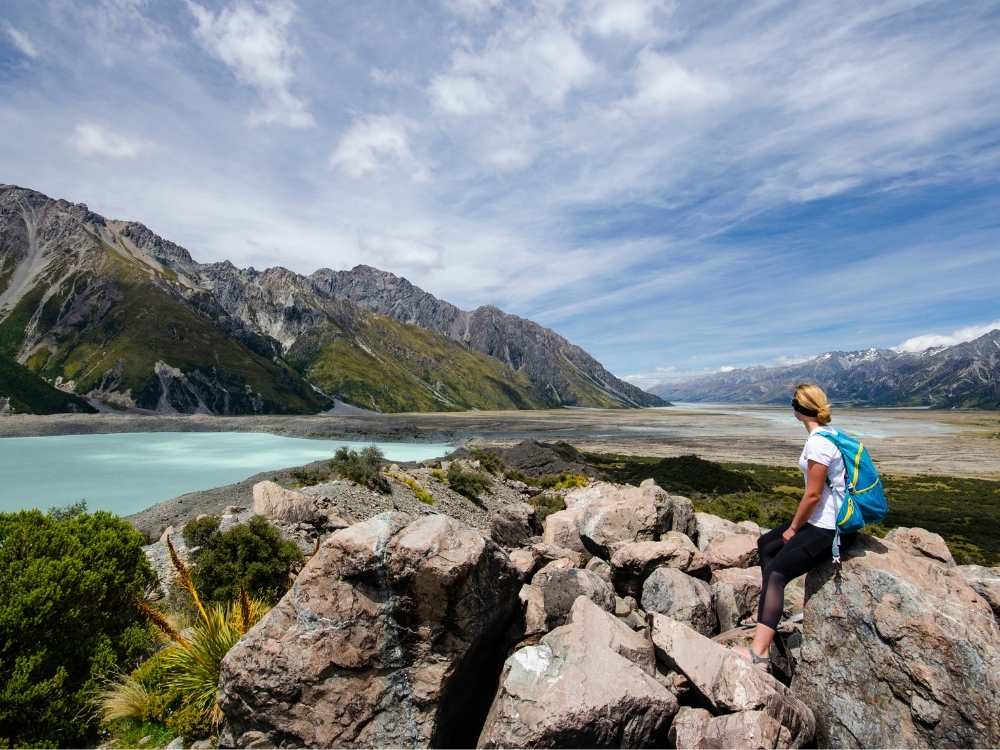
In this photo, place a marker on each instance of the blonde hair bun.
(813, 397)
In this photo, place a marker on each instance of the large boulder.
(922, 542)
(898, 651)
(675, 594)
(575, 688)
(562, 529)
(386, 634)
(732, 551)
(677, 510)
(514, 524)
(985, 582)
(729, 683)
(735, 592)
(561, 586)
(611, 514)
(275, 503)
(632, 563)
(708, 528)
(748, 730)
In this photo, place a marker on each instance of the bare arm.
(815, 479)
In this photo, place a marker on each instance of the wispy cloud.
(91, 139)
(22, 41)
(253, 41)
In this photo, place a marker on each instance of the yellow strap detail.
(870, 486)
(850, 511)
(857, 464)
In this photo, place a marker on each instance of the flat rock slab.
(728, 682)
(576, 689)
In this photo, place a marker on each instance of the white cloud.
(663, 85)
(472, 9)
(252, 40)
(958, 336)
(376, 144)
(726, 368)
(22, 41)
(535, 56)
(91, 139)
(460, 95)
(637, 19)
(793, 359)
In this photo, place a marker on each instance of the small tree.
(363, 467)
(251, 556)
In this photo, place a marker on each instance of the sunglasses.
(805, 410)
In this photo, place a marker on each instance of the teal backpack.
(864, 497)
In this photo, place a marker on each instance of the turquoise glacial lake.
(128, 472)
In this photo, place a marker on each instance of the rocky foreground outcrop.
(899, 651)
(611, 625)
(383, 641)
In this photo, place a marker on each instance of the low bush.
(416, 488)
(489, 460)
(251, 556)
(561, 481)
(198, 532)
(468, 483)
(68, 583)
(363, 467)
(546, 504)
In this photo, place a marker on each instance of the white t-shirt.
(822, 450)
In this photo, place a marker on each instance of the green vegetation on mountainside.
(29, 394)
(144, 324)
(587, 393)
(395, 367)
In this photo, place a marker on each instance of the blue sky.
(676, 186)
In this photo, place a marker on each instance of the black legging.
(781, 561)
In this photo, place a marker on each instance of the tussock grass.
(176, 688)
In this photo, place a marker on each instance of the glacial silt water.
(128, 472)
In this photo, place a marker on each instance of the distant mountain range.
(965, 375)
(102, 313)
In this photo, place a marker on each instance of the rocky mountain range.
(966, 375)
(111, 315)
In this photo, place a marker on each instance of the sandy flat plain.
(903, 441)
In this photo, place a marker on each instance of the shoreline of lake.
(913, 441)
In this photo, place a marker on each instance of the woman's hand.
(789, 533)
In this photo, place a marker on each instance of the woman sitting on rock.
(794, 548)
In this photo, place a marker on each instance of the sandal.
(761, 662)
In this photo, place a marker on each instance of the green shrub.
(489, 460)
(251, 555)
(546, 504)
(416, 488)
(562, 481)
(199, 531)
(470, 484)
(363, 467)
(68, 584)
(308, 477)
(517, 475)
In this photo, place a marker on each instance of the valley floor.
(903, 441)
